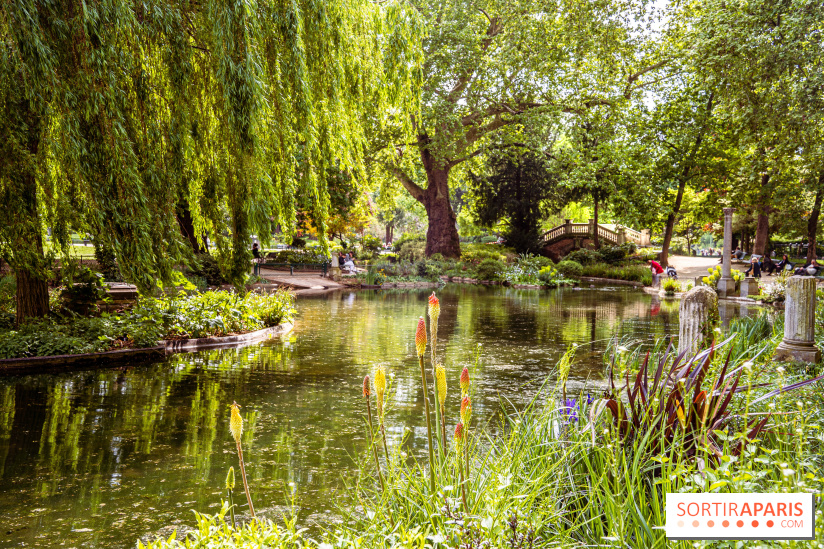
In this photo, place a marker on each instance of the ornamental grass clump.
(236, 427)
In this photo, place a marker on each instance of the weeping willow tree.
(117, 116)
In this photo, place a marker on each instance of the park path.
(689, 267)
(307, 280)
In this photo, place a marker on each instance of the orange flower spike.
(420, 337)
(466, 410)
(366, 391)
(434, 308)
(459, 436)
(465, 381)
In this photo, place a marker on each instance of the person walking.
(656, 269)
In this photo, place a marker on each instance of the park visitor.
(755, 268)
(256, 251)
(656, 269)
(768, 265)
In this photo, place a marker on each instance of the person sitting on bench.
(810, 269)
(755, 267)
(768, 265)
(783, 263)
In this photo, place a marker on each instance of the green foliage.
(8, 289)
(107, 264)
(671, 286)
(647, 254)
(715, 276)
(294, 257)
(632, 273)
(570, 269)
(151, 319)
(412, 250)
(371, 243)
(475, 253)
(84, 288)
(208, 269)
(585, 256)
(489, 269)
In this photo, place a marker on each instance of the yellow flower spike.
(366, 391)
(466, 410)
(420, 337)
(236, 422)
(380, 388)
(465, 381)
(230, 479)
(440, 380)
(434, 308)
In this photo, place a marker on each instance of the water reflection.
(102, 456)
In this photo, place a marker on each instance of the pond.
(98, 458)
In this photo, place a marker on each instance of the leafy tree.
(491, 66)
(112, 114)
(520, 190)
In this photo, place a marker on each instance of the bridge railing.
(618, 236)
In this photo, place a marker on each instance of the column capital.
(729, 211)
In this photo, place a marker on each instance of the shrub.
(647, 254)
(550, 276)
(613, 254)
(715, 276)
(475, 253)
(489, 269)
(408, 237)
(585, 256)
(570, 269)
(298, 242)
(632, 273)
(671, 286)
(214, 313)
(107, 263)
(413, 250)
(83, 290)
(208, 269)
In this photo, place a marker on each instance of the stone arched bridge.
(570, 236)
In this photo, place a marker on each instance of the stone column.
(646, 237)
(622, 235)
(726, 285)
(698, 311)
(799, 322)
(334, 271)
(592, 228)
(567, 226)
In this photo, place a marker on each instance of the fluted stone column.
(699, 308)
(726, 285)
(799, 322)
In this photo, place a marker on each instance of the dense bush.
(613, 254)
(199, 315)
(570, 269)
(585, 256)
(296, 256)
(208, 269)
(633, 273)
(648, 254)
(413, 250)
(475, 253)
(107, 263)
(489, 269)
(83, 290)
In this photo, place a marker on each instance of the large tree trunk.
(27, 257)
(442, 234)
(187, 227)
(670, 227)
(812, 223)
(762, 230)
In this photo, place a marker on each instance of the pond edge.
(64, 363)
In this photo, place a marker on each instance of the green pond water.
(99, 458)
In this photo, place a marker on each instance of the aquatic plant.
(420, 346)
(236, 427)
(230, 488)
(434, 313)
(380, 395)
(671, 286)
(366, 394)
(460, 438)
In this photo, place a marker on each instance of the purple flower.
(570, 409)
